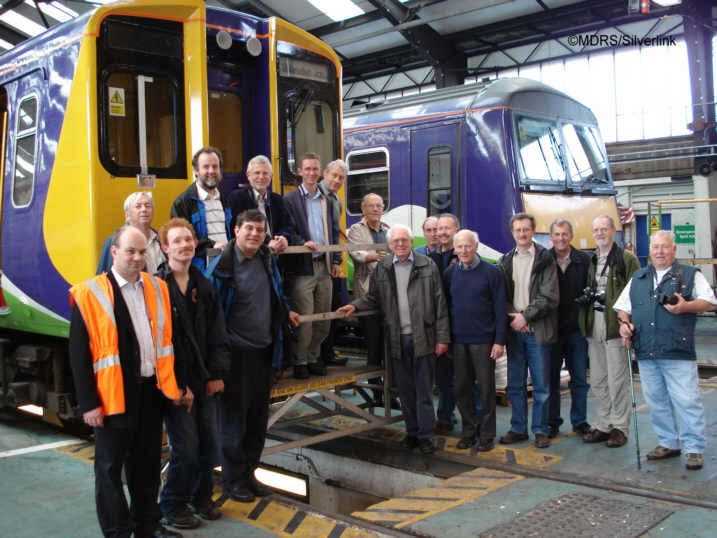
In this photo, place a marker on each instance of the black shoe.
(182, 519)
(161, 532)
(259, 489)
(427, 446)
(553, 430)
(335, 361)
(466, 442)
(409, 442)
(316, 369)
(583, 428)
(485, 445)
(206, 510)
(301, 372)
(240, 494)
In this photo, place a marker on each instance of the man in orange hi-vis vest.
(123, 365)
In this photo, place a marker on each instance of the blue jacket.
(659, 334)
(106, 259)
(189, 206)
(301, 264)
(280, 220)
(221, 273)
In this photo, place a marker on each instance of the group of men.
(199, 345)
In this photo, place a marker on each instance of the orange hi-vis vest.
(95, 299)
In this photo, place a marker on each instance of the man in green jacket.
(611, 268)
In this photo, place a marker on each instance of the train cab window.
(368, 173)
(440, 166)
(225, 129)
(309, 127)
(586, 160)
(24, 178)
(539, 150)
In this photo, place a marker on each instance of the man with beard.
(204, 206)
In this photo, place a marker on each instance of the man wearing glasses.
(407, 288)
(611, 268)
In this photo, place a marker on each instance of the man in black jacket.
(257, 196)
(572, 267)
(202, 359)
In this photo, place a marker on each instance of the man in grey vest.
(658, 310)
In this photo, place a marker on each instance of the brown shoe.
(693, 462)
(442, 427)
(596, 436)
(660, 453)
(541, 440)
(617, 438)
(513, 437)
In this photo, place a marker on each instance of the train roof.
(517, 93)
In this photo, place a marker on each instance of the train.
(115, 101)
(482, 152)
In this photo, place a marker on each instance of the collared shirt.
(315, 215)
(403, 272)
(133, 295)
(262, 202)
(155, 256)
(214, 211)
(563, 262)
(522, 269)
(472, 265)
(701, 289)
(378, 236)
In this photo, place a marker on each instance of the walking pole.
(634, 407)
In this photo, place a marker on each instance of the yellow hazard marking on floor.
(423, 503)
(285, 521)
(84, 452)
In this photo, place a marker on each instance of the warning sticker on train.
(116, 101)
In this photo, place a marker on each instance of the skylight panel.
(25, 25)
(337, 10)
(5, 45)
(51, 10)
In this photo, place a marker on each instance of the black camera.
(668, 299)
(591, 296)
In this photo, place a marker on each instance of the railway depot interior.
(646, 70)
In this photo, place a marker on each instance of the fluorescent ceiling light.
(337, 10)
(666, 3)
(25, 25)
(52, 11)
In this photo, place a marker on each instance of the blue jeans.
(414, 377)
(194, 440)
(446, 383)
(671, 385)
(524, 354)
(574, 349)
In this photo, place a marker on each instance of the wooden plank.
(333, 315)
(336, 248)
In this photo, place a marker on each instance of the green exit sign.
(685, 235)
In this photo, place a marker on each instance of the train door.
(3, 147)
(434, 172)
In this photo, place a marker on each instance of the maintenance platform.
(361, 483)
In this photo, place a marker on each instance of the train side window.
(24, 177)
(539, 150)
(309, 127)
(440, 172)
(225, 129)
(586, 160)
(368, 173)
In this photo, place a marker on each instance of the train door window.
(440, 167)
(586, 161)
(225, 129)
(24, 177)
(309, 127)
(368, 173)
(539, 150)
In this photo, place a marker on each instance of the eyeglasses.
(401, 241)
(601, 230)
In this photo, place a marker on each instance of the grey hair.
(260, 159)
(475, 235)
(455, 219)
(560, 223)
(337, 162)
(423, 226)
(132, 198)
(365, 198)
(668, 233)
(395, 227)
(608, 217)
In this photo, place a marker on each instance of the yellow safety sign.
(116, 98)
(117, 104)
(654, 225)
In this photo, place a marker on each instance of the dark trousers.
(414, 376)
(372, 329)
(327, 346)
(574, 349)
(194, 438)
(139, 449)
(244, 415)
(473, 364)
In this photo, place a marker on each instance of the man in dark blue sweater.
(479, 324)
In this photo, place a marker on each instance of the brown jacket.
(360, 234)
